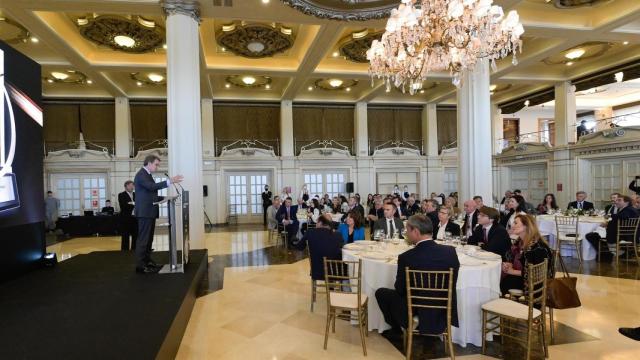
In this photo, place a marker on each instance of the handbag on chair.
(561, 292)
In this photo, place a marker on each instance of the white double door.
(244, 195)
(79, 192)
(531, 180)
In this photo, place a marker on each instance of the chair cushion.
(510, 308)
(346, 300)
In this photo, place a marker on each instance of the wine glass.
(463, 240)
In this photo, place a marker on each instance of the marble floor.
(255, 305)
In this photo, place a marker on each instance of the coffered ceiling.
(564, 40)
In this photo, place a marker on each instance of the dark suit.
(433, 216)
(146, 212)
(322, 243)
(411, 210)
(108, 210)
(585, 205)
(499, 240)
(426, 256)
(128, 223)
(635, 186)
(381, 224)
(474, 222)
(452, 227)
(377, 212)
(357, 208)
(610, 209)
(612, 227)
(292, 229)
(266, 202)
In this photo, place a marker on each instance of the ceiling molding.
(344, 10)
(104, 30)
(255, 40)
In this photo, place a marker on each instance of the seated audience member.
(527, 207)
(411, 208)
(108, 209)
(530, 248)
(389, 224)
(375, 212)
(515, 206)
(397, 201)
(302, 204)
(580, 202)
(322, 242)
(430, 209)
(470, 218)
(635, 202)
(507, 195)
(344, 204)
(452, 203)
(548, 204)
(272, 210)
(335, 205)
(370, 201)
(353, 206)
(427, 255)
(612, 209)
(479, 202)
(625, 211)
(444, 225)
(490, 235)
(313, 212)
(353, 227)
(286, 216)
(635, 185)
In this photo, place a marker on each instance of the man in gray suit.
(389, 223)
(147, 212)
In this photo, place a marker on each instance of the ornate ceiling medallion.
(354, 47)
(344, 10)
(132, 35)
(12, 32)
(255, 40)
(335, 84)
(249, 81)
(567, 4)
(585, 51)
(66, 77)
(151, 78)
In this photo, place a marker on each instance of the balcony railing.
(385, 144)
(230, 144)
(106, 146)
(307, 144)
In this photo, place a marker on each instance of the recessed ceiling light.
(265, 1)
(335, 82)
(422, 91)
(155, 77)
(625, 43)
(139, 83)
(493, 87)
(164, 46)
(227, 85)
(59, 75)
(335, 54)
(267, 86)
(255, 46)
(570, 63)
(89, 82)
(574, 54)
(124, 41)
(34, 40)
(223, 49)
(310, 88)
(348, 89)
(49, 80)
(248, 80)
(387, 90)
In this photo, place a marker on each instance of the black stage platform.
(95, 306)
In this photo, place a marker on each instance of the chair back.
(537, 282)
(341, 276)
(567, 226)
(429, 290)
(628, 229)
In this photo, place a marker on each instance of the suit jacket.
(147, 194)
(108, 209)
(429, 256)
(126, 209)
(282, 213)
(612, 227)
(382, 225)
(433, 216)
(322, 243)
(272, 223)
(358, 233)
(474, 222)
(585, 205)
(452, 227)
(411, 210)
(609, 209)
(635, 186)
(499, 240)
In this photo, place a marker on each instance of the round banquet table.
(547, 225)
(478, 283)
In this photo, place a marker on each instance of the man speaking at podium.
(147, 212)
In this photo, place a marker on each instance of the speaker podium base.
(168, 269)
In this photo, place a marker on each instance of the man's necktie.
(390, 228)
(288, 215)
(486, 240)
(580, 205)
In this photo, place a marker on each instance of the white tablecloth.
(476, 285)
(547, 225)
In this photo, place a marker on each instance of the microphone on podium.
(174, 184)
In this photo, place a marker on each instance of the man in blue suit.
(286, 216)
(147, 212)
(427, 255)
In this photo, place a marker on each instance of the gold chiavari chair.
(341, 278)
(503, 314)
(429, 290)
(282, 231)
(626, 238)
(568, 231)
(315, 284)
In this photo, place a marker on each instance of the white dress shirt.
(442, 229)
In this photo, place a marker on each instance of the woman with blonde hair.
(529, 248)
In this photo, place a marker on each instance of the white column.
(361, 131)
(123, 128)
(286, 128)
(183, 109)
(474, 131)
(430, 129)
(565, 113)
(497, 128)
(208, 137)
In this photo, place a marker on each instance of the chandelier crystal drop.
(442, 35)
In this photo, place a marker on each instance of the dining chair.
(282, 230)
(343, 283)
(513, 312)
(315, 283)
(428, 290)
(626, 238)
(568, 231)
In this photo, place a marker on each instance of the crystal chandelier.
(440, 35)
